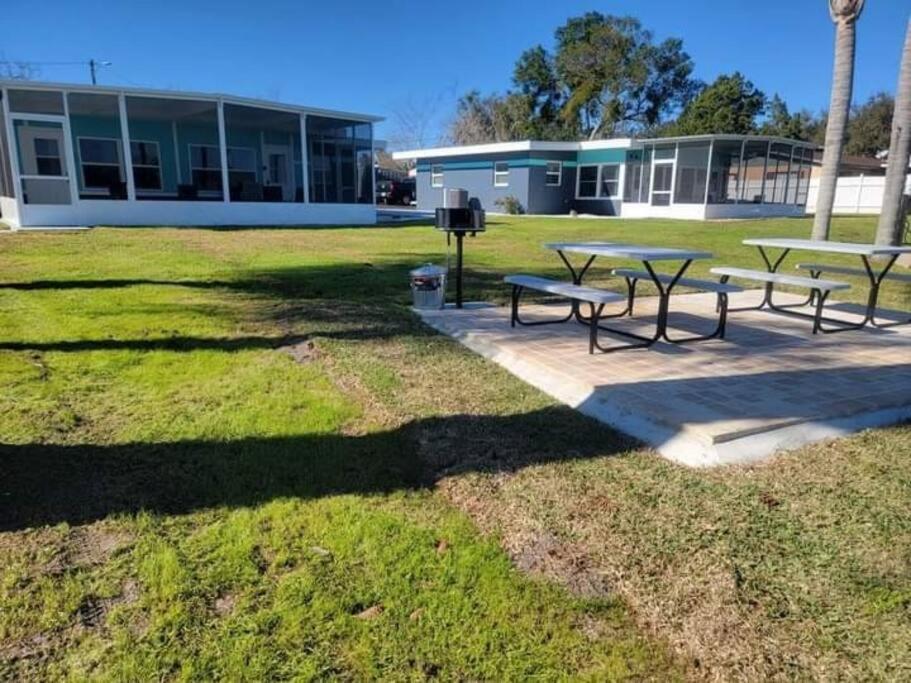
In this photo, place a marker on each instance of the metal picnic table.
(646, 255)
(864, 251)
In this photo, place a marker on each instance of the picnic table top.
(631, 251)
(856, 248)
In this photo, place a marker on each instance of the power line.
(93, 64)
(31, 63)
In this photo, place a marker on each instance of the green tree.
(540, 95)
(617, 78)
(869, 129)
(801, 125)
(729, 105)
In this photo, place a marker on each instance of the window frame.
(548, 173)
(618, 194)
(254, 170)
(157, 166)
(598, 181)
(436, 177)
(82, 163)
(58, 157)
(496, 173)
(579, 180)
(201, 190)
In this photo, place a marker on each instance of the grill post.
(460, 221)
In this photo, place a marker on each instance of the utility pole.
(94, 64)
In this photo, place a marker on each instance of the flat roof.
(576, 146)
(186, 94)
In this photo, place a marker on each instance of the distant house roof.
(186, 94)
(860, 164)
(572, 146)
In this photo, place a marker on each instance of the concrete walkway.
(769, 385)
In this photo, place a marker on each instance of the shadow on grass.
(384, 280)
(49, 484)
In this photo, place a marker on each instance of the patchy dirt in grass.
(302, 352)
(224, 604)
(770, 572)
(86, 546)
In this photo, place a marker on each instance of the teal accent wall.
(252, 138)
(160, 132)
(193, 134)
(601, 156)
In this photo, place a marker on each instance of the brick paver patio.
(769, 385)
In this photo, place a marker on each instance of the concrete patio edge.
(685, 446)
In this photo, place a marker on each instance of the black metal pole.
(459, 236)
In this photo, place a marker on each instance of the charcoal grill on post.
(458, 219)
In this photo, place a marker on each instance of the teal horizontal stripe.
(601, 156)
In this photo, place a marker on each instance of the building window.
(554, 173)
(436, 175)
(724, 172)
(146, 165)
(241, 165)
(610, 181)
(692, 172)
(99, 160)
(588, 181)
(205, 167)
(599, 182)
(48, 160)
(663, 182)
(501, 174)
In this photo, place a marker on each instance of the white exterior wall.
(112, 212)
(9, 207)
(682, 211)
(855, 194)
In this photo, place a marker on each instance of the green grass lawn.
(236, 454)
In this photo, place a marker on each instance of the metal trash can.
(428, 286)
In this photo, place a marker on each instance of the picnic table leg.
(514, 318)
(664, 306)
(873, 297)
(872, 301)
(577, 280)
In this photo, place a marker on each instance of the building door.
(662, 183)
(279, 170)
(43, 171)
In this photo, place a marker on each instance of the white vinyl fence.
(855, 194)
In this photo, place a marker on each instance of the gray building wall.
(544, 198)
(475, 174)
(527, 183)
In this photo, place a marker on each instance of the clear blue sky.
(377, 56)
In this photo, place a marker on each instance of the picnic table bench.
(597, 299)
(819, 288)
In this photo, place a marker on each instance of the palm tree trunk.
(839, 106)
(891, 217)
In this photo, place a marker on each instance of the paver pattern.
(768, 373)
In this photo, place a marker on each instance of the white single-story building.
(696, 177)
(89, 155)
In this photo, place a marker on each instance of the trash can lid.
(428, 270)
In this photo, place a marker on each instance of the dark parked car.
(400, 192)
